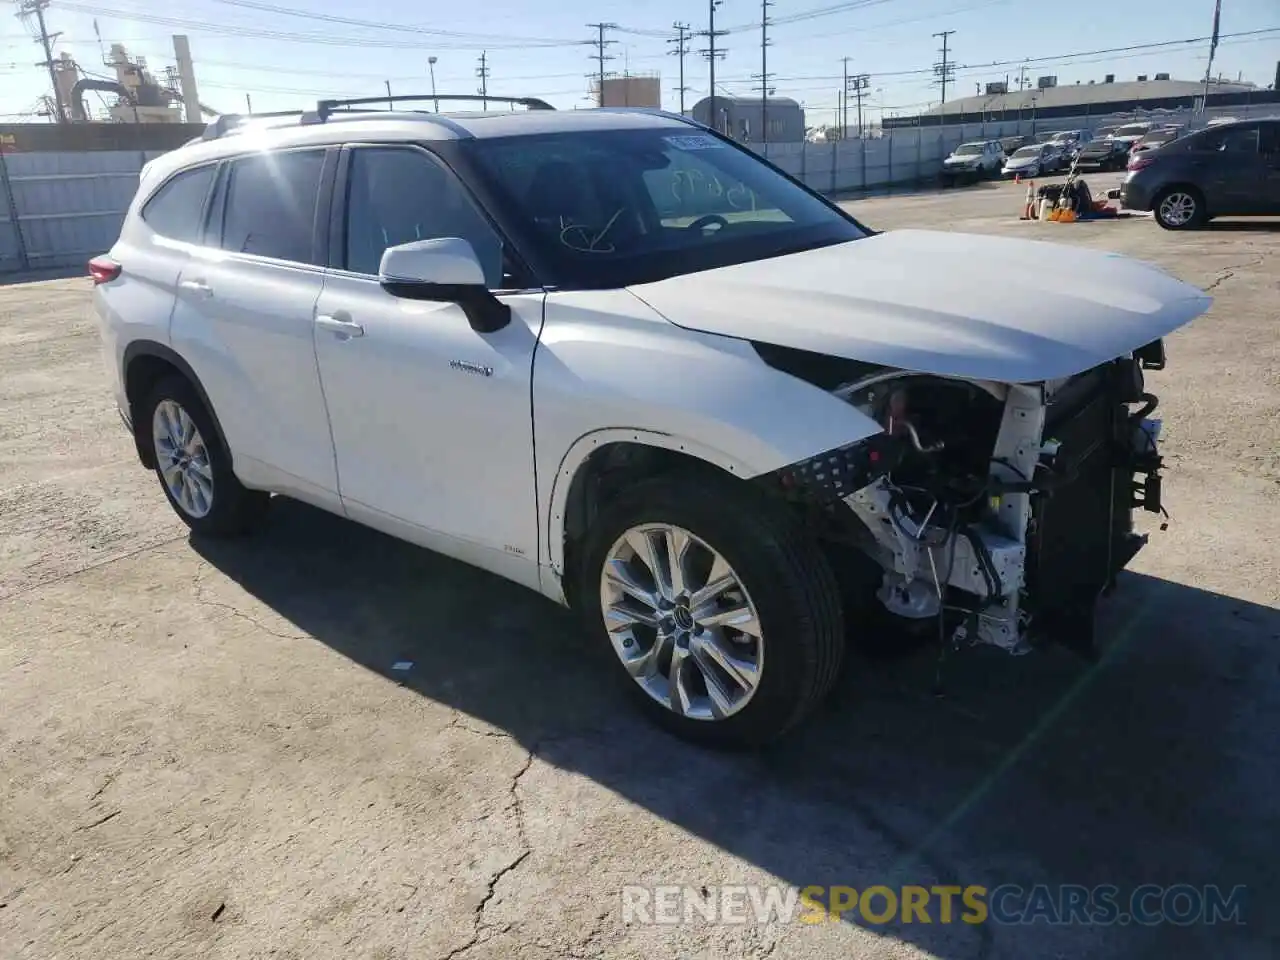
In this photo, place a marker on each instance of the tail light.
(1141, 160)
(103, 270)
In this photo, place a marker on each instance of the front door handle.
(198, 287)
(343, 328)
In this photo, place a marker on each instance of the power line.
(600, 57)
(383, 25)
(321, 39)
(711, 53)
(946, 70)
(681, 40)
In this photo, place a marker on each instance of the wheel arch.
(595, 466)
(145, 363)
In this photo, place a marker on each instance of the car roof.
(283, 133)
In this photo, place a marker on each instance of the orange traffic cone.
(1017, 178)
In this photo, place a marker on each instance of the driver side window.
(397, 195)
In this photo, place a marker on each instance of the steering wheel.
(707, 220)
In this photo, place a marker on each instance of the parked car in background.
(1154, 139)
(1101, 133)
(1069, 137)
(1032, 161)
(1012, 144)
(1227, 170)
(1105, 154)
(973, 161)
(1131, 133)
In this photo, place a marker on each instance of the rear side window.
(177, 209)
(271, 205)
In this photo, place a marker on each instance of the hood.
(953, 304)
(967, 158)
(1012, 162)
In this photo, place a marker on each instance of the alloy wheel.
(1178, 208)
(681, 622)
(183, 459)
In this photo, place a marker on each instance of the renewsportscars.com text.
(1062, 904)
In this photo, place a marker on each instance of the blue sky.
(538, 49)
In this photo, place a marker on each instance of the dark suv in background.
(1229, 170)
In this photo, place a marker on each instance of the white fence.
(913, 155)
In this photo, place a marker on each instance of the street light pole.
(431, 65)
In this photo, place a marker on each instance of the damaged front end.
(1002, 511)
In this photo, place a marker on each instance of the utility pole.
(712, 53)
(681, 40)
(946, 70)
(600, 57)
(1213, 48)
(844, 101)
(764, 69)
(482, 72)
(860, 83)
(391, 104)
(431, 65)
(27, 8)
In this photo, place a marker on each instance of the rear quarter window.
(176, 211)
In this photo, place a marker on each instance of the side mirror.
(445, 270)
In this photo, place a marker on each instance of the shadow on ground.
(14, 277)
(1154, 766)
(1242, 226)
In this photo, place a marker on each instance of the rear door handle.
(343, 328)
(198, 287)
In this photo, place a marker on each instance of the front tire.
(724, 619)
(1179, 208)
(194, 466)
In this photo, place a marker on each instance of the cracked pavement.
(216, 750)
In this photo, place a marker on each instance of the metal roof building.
(743, 118)
(1088, 99)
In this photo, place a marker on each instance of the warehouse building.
(743, 118)
(1107, 97)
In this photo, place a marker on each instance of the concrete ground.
(206, 749)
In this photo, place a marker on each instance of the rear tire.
(194, 466)
(1180, 208)
(785, 659)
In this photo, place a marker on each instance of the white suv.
(621, 360)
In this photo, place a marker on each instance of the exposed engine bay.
(1002, 511)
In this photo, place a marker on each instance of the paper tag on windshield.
(694, 142)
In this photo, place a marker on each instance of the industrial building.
(1106, 97)
(138, 96)
(743, 118)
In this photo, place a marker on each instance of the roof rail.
(324, 108)
(227, 122)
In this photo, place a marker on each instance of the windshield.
(1027, 152)
(1160, 136)
(967, 150)
(1135, 130)
(1104, 131)
(611, 208)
